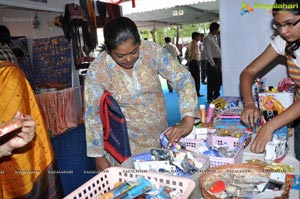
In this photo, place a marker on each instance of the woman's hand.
(22, 138)
(250, 114)
(263, 136)
(180, 130)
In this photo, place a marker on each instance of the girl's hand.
(250, 115)
(263, 136)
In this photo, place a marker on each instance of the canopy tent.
(157, 13)
(146, 13)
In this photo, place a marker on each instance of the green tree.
(171, 31)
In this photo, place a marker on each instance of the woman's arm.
(180, 130)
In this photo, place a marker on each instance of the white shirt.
(172, 49)
(279, 44)
(201, 47)
(211, 48)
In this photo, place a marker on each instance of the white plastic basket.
(104, 181)
(192, 144)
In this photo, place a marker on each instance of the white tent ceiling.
(155, 13)
(146, 13)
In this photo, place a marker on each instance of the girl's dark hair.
(294, 8)
(119, 30)
(4, 35)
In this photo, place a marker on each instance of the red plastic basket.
(104, 181)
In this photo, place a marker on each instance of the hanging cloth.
(90, 32)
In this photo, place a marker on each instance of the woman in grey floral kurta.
(129, 68)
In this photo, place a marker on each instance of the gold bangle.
(4, 153)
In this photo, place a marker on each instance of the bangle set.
(4, 153)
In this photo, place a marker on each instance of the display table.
(61, 109)
(288, 159)
(247, 155)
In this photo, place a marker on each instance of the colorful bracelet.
(4, 153)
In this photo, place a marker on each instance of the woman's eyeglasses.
(276, 25)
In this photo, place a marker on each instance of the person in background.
(173, 50)
(193, 56)
(6, 53)
(214, 70)
(26, 161)
(287, 22)
(129, 68)
(203, 61)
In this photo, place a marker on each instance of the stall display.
(141, 187)
(106, 180)
(243, 181)
(176, 163)
(52, 61)
(231, 174)
(225, 102)
(221, 148)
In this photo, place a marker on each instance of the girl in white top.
(287, 22)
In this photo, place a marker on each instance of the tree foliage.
(185, 31)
